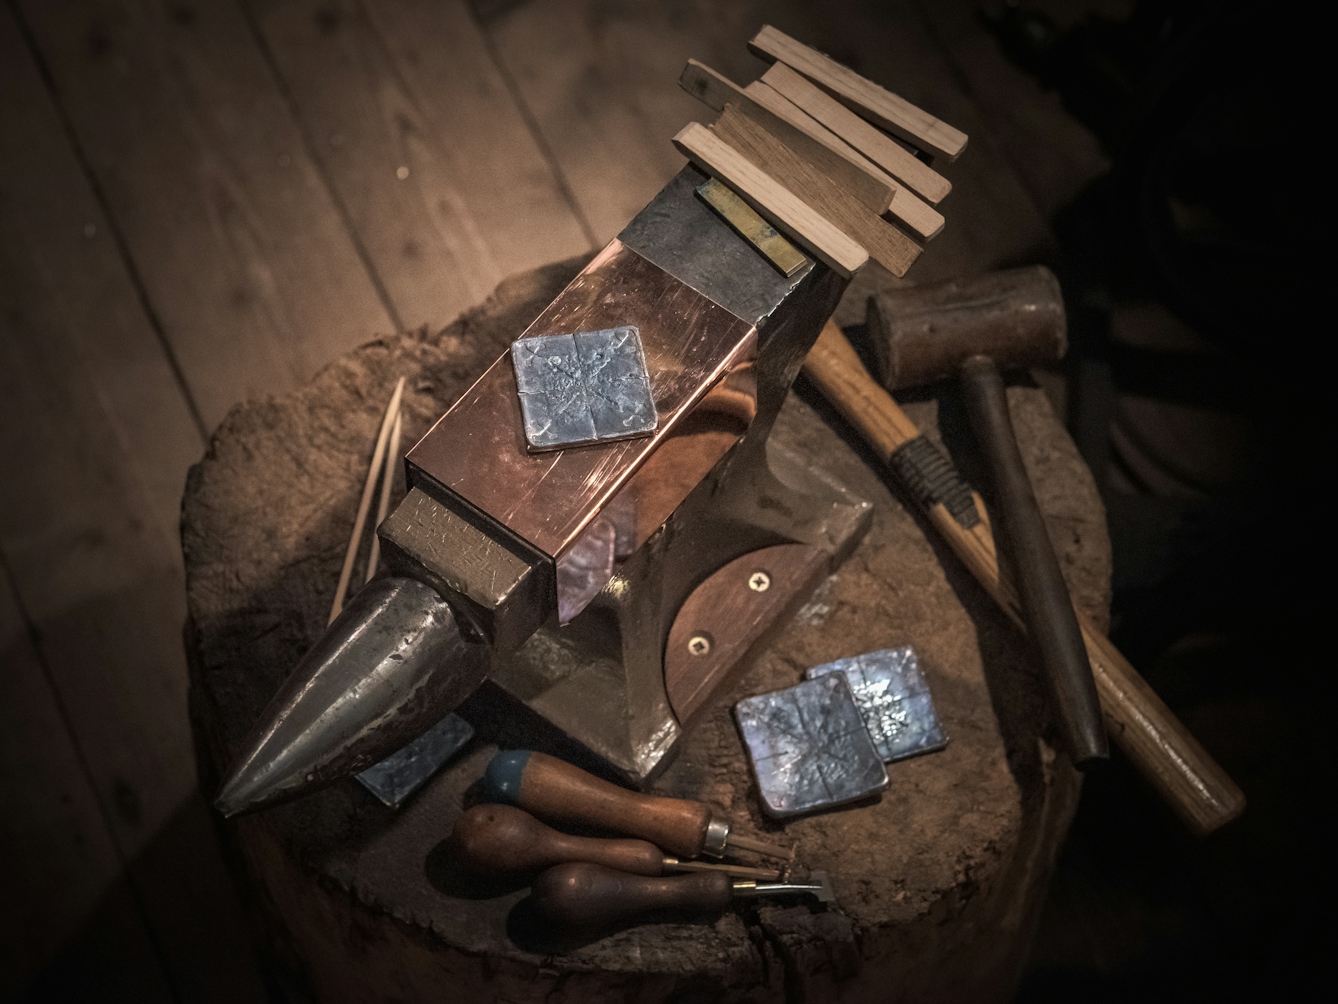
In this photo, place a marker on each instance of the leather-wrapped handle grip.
(1190, 781)
(584, 896)
(1044, 596)
(556, 791)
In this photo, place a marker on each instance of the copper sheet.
(477, 449)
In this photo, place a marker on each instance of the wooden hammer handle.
(1190, 781)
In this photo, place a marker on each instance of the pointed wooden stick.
(387, 483)
(365, 504)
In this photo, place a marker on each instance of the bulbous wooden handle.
(589, 896)
(555, 790)
(496, 839)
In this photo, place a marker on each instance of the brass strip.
(751, 227)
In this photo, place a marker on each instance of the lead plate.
(893, 698)
(587, 387)
(402, 773)
(809, 747)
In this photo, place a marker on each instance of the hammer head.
(924, 333)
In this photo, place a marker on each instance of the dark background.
(203, 202)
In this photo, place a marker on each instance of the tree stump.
(938, 881)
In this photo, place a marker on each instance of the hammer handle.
(1045, 602)
(1190, 781)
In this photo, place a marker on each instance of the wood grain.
(885, 244)
(251, 272)
(784, 121)
(781, 207)
(890, 111)
(886, 153)
(1172, 760)
(414, 126)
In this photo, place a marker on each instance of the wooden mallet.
(1144, 728)
(969, 329)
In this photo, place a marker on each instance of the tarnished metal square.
(587, 387)
(402, 773)
(894, 700)
(809, 747)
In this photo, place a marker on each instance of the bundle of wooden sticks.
(830, 159)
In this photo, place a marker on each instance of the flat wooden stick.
(383, 503)
(896, 160)
(779, 117)
(1160, 746)
(877, 104)
(885, 244)
(777, 204)
(365, 503)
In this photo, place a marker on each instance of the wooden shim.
(885, 244)
(773, 200)
(890, 111)
(887, 154)
(846, 166)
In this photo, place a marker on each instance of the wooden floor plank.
(247, 263)
(97, 434)
(598, 79)
(441, 178)
(60, 853)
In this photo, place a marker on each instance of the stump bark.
(939, 881)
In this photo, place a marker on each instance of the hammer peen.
(970, 329)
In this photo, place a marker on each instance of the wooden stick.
(383, 503)
(880, 106)
(366, 502)
(781, 207)
(923, 221)
(897, 161)
(1185, 775)
(886, 245)
(783, 120)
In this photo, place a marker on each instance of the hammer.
(969, 329)
(1195, 786)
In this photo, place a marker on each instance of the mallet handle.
(1190, 781)
(1045, 602)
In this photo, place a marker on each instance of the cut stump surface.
(938, 881)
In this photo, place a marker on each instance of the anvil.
(604, 591)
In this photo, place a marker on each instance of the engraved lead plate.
(589, 387)
(402, 773)
(809, 747)
(894, 700)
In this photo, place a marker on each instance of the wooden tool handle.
(497, 839)
(1045, 602)
(588, 896)
(557, 791)
(1191, 782)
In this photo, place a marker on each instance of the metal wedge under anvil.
(608, 587)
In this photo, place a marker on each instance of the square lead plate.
(894, 700)
(809, 747)
(587, 387)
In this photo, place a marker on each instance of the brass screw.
(699, 644)
(759, 582)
